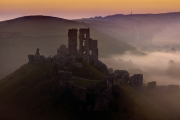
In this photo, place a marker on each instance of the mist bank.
(161, 67)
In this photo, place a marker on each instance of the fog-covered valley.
(163, 67)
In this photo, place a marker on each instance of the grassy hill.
(29, 93)
(22, 36)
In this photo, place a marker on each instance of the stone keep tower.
(84, 36)
(72, 41)
(87, 46)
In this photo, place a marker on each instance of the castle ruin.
(88, 48)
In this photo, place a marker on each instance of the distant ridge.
(147, 14)
(140, 30)
(126, 15)
(93, 17)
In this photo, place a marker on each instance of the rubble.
(173, 88)
(151, 85)
(62, 51)
(37, 57)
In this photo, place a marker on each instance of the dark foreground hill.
(22, 36)
(29, 93)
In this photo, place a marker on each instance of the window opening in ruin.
(90, 52)
(85, 36)
(83, 43)
(84, 52)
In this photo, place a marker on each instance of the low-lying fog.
(162, 67)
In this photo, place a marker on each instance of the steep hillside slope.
(29, 93)
(19, 93)
(137, 106)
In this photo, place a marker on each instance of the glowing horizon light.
(81, 8)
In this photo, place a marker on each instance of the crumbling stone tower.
(84, 35)
(72, 41)
(93, 47)
(87, 46)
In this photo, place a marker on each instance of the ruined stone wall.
(110, 70)
(93, 47)
(122, 76)
(84, 35)
(136, 81)
(62, 51)
(151, 85)
(37, 55)
(87, 46)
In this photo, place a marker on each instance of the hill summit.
(73, 84)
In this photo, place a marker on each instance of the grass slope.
(25, 94)
(29, 93)
(134, 105)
